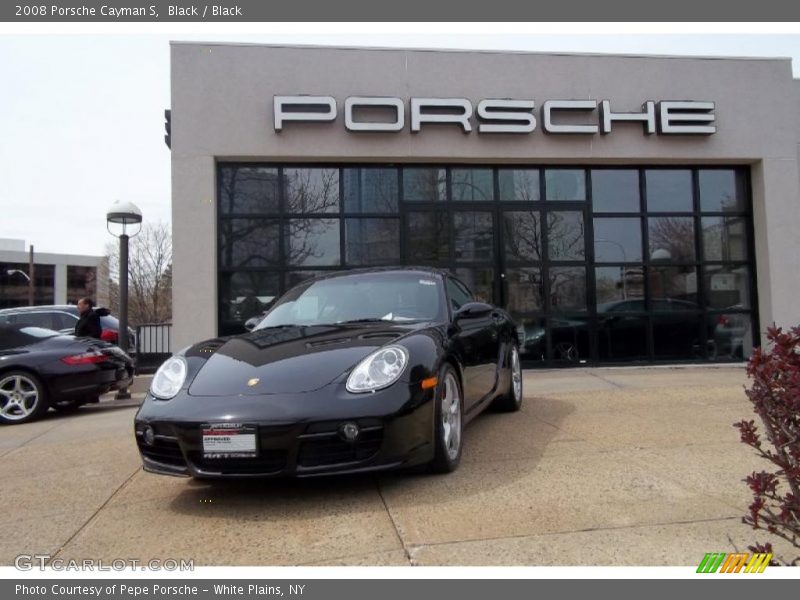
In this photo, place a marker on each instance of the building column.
(776, 221)
(194, 239)
(60, 284)
(102, 295)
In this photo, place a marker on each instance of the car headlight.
(169, 378)
(379, 370)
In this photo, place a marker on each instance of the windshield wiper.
(349, 321)
(375, 320)
(285, 325)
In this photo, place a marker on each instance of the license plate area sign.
(229, 440)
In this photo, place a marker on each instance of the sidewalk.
(600, 467)
(141, 383)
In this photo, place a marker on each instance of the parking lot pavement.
(601, 467)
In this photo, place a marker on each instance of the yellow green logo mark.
(721, 562)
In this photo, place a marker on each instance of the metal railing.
(153, 346)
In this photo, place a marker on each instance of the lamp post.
(18, 272)
(124, 214)
(660, 256)
(11, 272)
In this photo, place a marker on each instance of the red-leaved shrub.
(775, 395)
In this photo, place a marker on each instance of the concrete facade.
(222, 111)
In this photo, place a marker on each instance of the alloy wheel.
(451, 416)
(19, 397)
(516, 375)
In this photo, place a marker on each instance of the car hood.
(290, 359)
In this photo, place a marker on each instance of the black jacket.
(89, 325)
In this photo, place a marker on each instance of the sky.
(82, 124)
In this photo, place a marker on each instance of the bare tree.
(424, 184)
(311, 190)
(428, 241)
(565, 235)
(149, 275)
(251, 195)
(523, 234)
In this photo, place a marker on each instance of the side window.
(64, 321)
(38, 319)
(458, 294)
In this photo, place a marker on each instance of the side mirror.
(472, 310)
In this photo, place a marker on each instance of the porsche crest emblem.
(253, 382)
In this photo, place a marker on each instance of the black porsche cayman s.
(41, 369)
(350, 372)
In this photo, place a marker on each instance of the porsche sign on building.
(623, 209)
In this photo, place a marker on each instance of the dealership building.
(624, 209)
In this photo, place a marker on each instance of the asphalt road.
(601, 467)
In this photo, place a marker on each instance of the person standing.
(88, 324)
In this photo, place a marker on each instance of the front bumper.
(296, 435)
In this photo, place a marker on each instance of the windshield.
(388, 296)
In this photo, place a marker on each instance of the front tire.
(22, 398)
(511, 401)
(448, 425)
